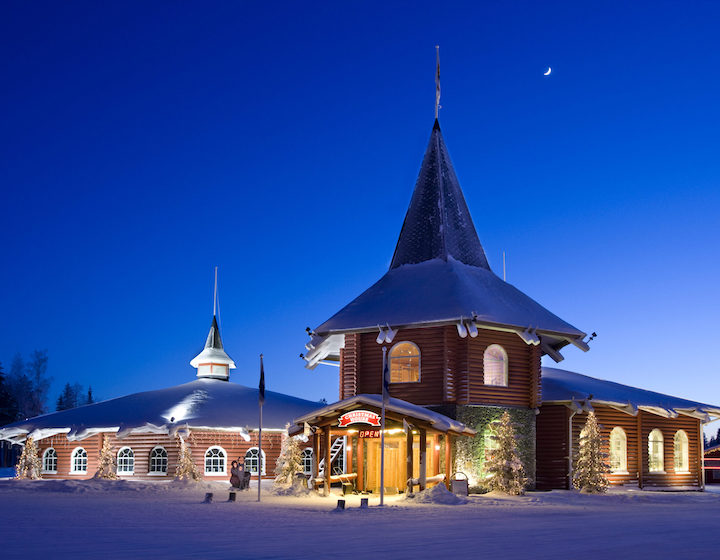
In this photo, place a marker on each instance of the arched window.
(618, 450)
(79, 461)
(158, 461)
(251, 461)
(404, 363)
(656, 461)
(682, 451)
(125, 461)
(49, 461)
(215, 461)
(495, 366)
(307, 460)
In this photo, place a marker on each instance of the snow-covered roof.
(436, 420)
(582, 391)
(439, 274)
(201, 404)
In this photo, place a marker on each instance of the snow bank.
(438, 494)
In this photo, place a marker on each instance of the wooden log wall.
(142, 444)
(552, 455)
(451, 368)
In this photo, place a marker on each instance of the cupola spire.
(213, 362)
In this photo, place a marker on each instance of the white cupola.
(213, 362)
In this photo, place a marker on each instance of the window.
(655, 451)
(125, 461)
(251, 461)
(681, 447)
(307, 460)
(404, 363)
(78, 461)
(618, 451)
(495, 366)
(158, 461)
(215, 461)
(49, 461)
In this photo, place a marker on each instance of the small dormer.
(213, 362)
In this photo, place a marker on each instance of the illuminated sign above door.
(359, 417)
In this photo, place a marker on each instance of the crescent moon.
(548, 71)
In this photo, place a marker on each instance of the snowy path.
(133, 520)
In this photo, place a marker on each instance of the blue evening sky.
(143, 143)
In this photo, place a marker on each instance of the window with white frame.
(618, 450)
(215, 460)
(681, 447)
(656, 460)
(495, 366)
(251, 461)
(158, 461)
(125, 461)
(49, 461)
(404, 363)
(79, 460)
(307, 460)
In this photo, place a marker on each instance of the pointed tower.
(444, 316)
(213, 362)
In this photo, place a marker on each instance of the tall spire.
(438, 224)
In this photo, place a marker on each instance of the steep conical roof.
(213, 338)
(438, 223)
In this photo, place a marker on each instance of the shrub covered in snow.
(106, 464)
(28, 465)
(289, 462)
(438, 494)
(590, 464)
(504, 467)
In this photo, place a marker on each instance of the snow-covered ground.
(125, 519)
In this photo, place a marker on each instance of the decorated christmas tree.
(106, 463)
(186, 469)
(504, 467)
(590, 465)
(289, 462)
(28, 465)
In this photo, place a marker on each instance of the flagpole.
(382, 431)
(261, 401)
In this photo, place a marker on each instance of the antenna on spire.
(437, 81)
(215, 294)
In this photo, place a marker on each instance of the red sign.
(359, 417)
(369, 433)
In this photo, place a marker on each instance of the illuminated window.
(215, 461)
(158, 460)
(618, 450)
(307, 460)
(495, 366)
(404, 363)
(79, 460)
(682, 451)
(49, 461)
(125, 461)
(251, 461)
(655, 451)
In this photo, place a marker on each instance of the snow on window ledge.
(80, 473)
(657, 472)
(682, 472)
(126, 473)
(215, 474)
(48, 472)
(620, 472)
(157, 474)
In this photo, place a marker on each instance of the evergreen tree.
(590, 465)
(89, 399)
(186, 468)
(29, 464)
(20, 387)
(37, 372)
(8, 407)
(504, 467)
(66, 400)
(289, 462)
(106, 464)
